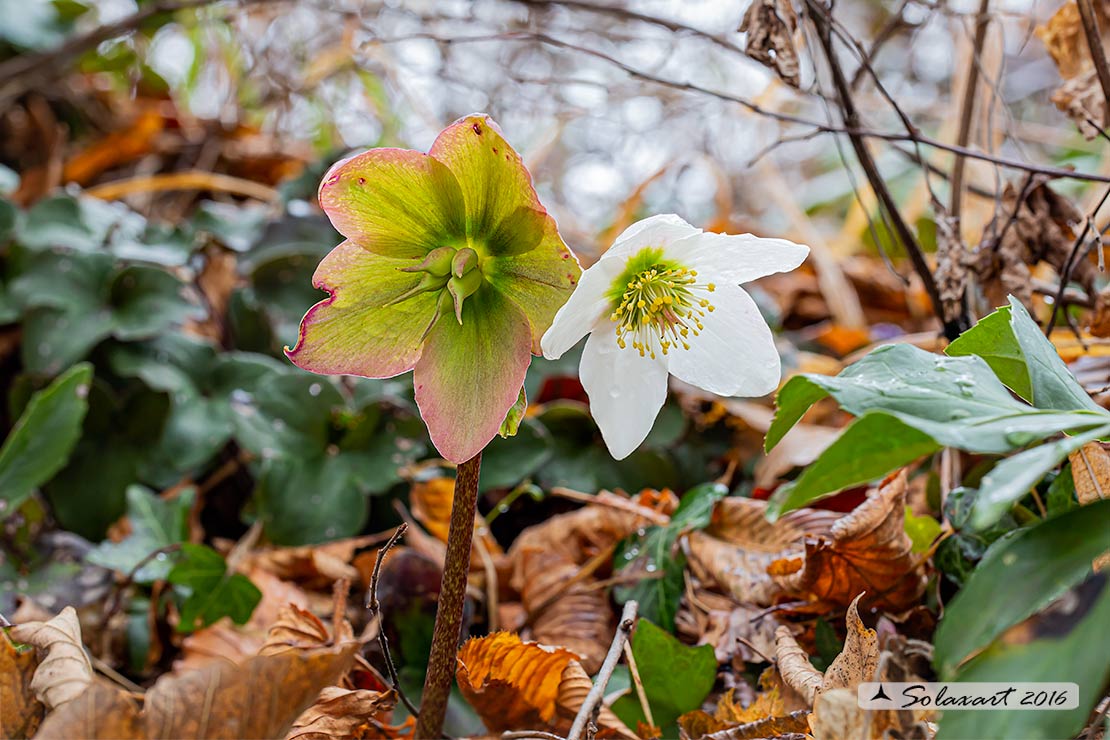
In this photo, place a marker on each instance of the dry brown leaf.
(573, 688)
(866, 550)
(295, 629)
(858, 659)
(737, 631)
(260, 698)
(790, 725)
(794, 666)
(1041, 232)
(65, 672)
(547, 562)
(1080, 96)
(511, 684)
(312, 566)
(771, 26)
(1090, 469)
(344, 713)
(20, 711)
(739, 544)
(102, 711)
(225, 641)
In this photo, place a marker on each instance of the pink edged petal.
(587, 306)
(655, 231)
(394, 202)
(504, 215)
(626, 391)
(469, 375)
(354, 331)
(738, 258)
(735, 354)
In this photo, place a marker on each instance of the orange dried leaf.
(512, 685)
(20, 711)
(343, 713)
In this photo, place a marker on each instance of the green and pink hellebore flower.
(451, 268)
(665, 300)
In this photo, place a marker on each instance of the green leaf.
(1012, 478)
(44, 436)
(288, 414)
(869, 448)
(676, 678)
(155, 524)
(1081, 656)
(1054, 387)
(303, 501)
(210, 592)
(993, 339)
(1018, 576)
(514, 416)
(921, 530)
(660, 589)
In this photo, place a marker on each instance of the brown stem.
(452, 597)
(1098, 54)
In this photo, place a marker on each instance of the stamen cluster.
(660, 308)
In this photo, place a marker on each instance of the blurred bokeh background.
(158, 168)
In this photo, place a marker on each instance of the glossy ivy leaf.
(676, 678)
(1071, 647)
(652, 554)
(208, 590)
(911, 403)
(121, 426)
(1020, 575)
(75, 222)
(318, 456)
(8, 216)
(156, 523)
(43, 437)
(1024, 359)
(73, 301)
(1011, 479)
(507, 461)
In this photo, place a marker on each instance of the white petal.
(626, 391)
(735, 355)
(654, 231)
(738, 258)
(585, 307)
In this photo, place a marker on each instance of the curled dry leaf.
(295, 629)
(771, 26)
(859, 658)
(739, 544)
(728, 713)
(1080, 96)
(866, 550)
(312, 566)
(547, 562)
(515, 685)
(1041, 231)
(65, 672)
(573, 688)
(20, 710)
(794, 666)
(345, 713)
(260, 698)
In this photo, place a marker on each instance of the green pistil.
(658, 303)
(455, 273)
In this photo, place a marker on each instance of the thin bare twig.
(375, 608)
(645, 705)
(113, 603)
(592, 702)
(967, 110)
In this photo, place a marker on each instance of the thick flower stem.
(452, 597)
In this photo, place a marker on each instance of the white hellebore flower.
(665, 299)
